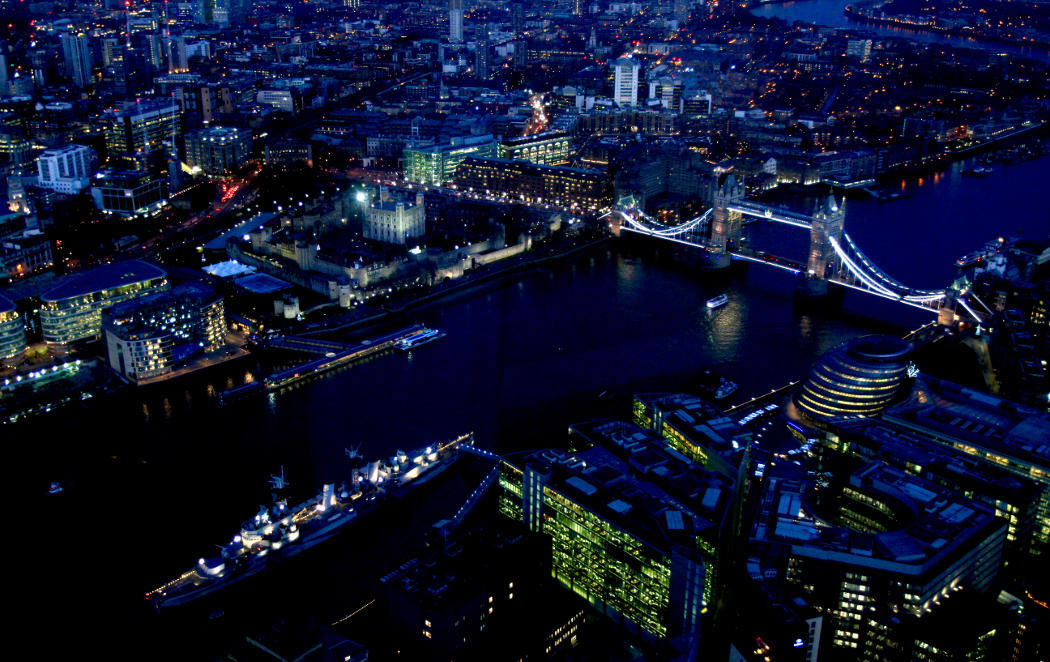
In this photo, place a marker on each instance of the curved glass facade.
(73, 311)
(858, 378)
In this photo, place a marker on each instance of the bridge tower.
(726, 226)
(828, 220)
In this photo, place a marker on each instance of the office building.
(872, 548)
(71, 312)
(634, 527)
(12, 333)
(694, 428)
(455, 21)
(219, 150)
(860, 377)
(573, 188)
(436, 165)
(626, 72)
(76, 53)
(993, 431)
(141, 128)
(1015, 498)
(129, 193)
(395, 221)
(547, 148)
(149, 336)
(66, 169)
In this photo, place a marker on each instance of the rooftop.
(6, 305)
(947, 411)
(102, 278)
(941, 521)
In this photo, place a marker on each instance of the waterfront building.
(150, 335)
(12, 333)
(395, 221)
(993, 431)
(872, 548)
(634, 527)
(625, 79)
(547, 148)
(576, 188)
(436, 164)
(66, 169)
(129, 193)
(72, 311)
(140, 128)
(218, 150)
(860, 377)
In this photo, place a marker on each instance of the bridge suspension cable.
(885, 278)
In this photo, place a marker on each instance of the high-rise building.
(141, 128)
(482, 53)
(66, 169)
(517, 16)
(76, 52)
(455, 21)
(626, 72)
(72, 311)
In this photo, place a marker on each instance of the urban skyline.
(668, 330)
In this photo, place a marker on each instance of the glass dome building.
(858, 378)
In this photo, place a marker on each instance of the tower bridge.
(833, 257)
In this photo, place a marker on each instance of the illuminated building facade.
(991, 430)
(436, 165)
(151, 335)
(129, 193)
(577, 188)
(395, 221)
(858, 378)
(219, 150)
(624, 535)
(72, 311)
(141, 128)
(66, 169)
(694, 428)
(548, 148)
(873, 549)
(12, 333)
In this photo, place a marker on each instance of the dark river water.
(830, 13)
(155, 479)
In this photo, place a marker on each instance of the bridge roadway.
(761, 211)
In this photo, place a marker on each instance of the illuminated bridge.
(833, 256)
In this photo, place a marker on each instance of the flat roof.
(261, 284)
(104, 277)
(253, 223)
(6, 305)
